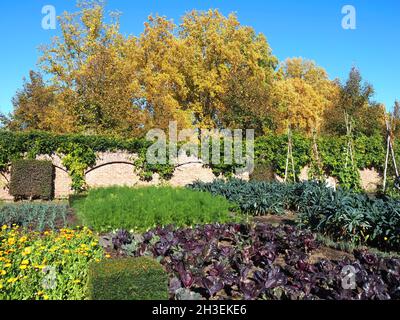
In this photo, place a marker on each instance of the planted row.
(340, 214)
(141, 209)
(256, 198)
(34, 216)
(240, 261)
(349, 216)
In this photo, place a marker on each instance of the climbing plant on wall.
(79, 153)
(77, 158)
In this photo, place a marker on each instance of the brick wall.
(117, 169)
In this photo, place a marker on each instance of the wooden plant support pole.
(349, 151)
(316, 155)
(290, 157)
(389, 149)
(386, 162)
(287, 162)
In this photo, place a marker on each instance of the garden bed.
(260, 261)
(208, 252)
(52, 265)
(38, 216)
(343, 215)
(141, 209)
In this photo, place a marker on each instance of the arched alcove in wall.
(112, 173)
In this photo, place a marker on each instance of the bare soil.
(326, 253)
(72, 219)
(288, 218)
(322, 253)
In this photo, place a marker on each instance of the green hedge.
(127, 279)
(32, 179)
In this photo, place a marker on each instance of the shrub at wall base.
(32, 179)
(128, 279)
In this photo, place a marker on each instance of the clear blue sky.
(307, 28)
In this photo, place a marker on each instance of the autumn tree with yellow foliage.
(301, 94)
(208, 71)
(32, 104)
(95, 86)
(228, 69)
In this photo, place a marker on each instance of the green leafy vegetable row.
(340, 214)
(37, 216)
(141, 209)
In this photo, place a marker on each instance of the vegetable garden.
(98, 90)
(202, 242)
(342, 214)
(241, 261)
(217, 251)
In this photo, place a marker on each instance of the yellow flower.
(386, 239)
(108, 256)
(66, 251)
(4, 227)
(27, 251)
(77, 281)
(46, 297)
(23, 239)
(1, 285)
(8, 265)
(40, 267)
(12, 280)
(11, 241)
(3, 272)
(25, 262)
(23, 267)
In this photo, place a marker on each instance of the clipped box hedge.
(263, 172)
(32, 179)
(127, 279)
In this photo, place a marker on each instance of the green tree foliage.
(355, 100)
(395, 116)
